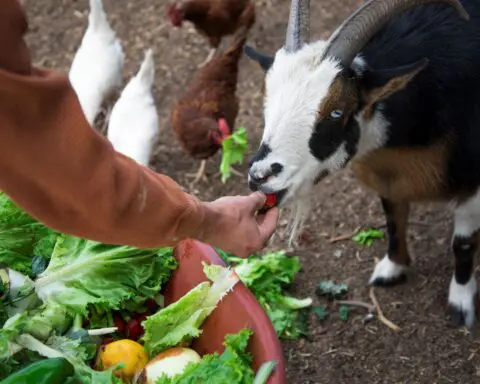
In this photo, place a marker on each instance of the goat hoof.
(461, 303)
(388, 273)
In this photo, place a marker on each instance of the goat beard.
(297, 213)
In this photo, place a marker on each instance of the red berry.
(271, 200)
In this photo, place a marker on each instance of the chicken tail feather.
(146, 73)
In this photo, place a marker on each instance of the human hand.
(233, 225)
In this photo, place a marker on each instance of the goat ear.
(264, 61)
(380, 84)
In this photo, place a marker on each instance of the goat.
(395, 94)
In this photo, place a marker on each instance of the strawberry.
(270, 202)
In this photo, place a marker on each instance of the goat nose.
(254, 182)
(276, 168)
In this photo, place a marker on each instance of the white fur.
(133, 124)
(387, 270)
(462, 298)
(373, 132)
(96, 70)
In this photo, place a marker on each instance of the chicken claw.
(210, 56)
(200, 175)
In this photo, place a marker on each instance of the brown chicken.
(205, 115)
(213, 19)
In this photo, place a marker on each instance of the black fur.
(444, 98)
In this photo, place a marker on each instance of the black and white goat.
(395, 93)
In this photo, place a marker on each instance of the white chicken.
(133, 124)
(96, 70)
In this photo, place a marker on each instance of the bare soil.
(427, 349)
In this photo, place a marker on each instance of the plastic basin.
(238, 310)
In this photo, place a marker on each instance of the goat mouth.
(320, 176)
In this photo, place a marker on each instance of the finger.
(269, 223)
(257, 201)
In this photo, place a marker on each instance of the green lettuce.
(233, 366)
(82, 273)
(234, 148)
(22, 238)
(267, 277)
(180, 321)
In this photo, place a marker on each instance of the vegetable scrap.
(268, 276)
(331, 290)
(234, 148)
(368, 236)
(78, 311)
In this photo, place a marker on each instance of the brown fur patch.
(406, 174)
(342, 95)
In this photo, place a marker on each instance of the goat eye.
(336, 114)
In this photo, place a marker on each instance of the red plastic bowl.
(239, 309)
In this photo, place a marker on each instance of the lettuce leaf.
(83, 273)
(267, 277)
(234, 148)
(233, 366)
(180, 321)
(22, 238)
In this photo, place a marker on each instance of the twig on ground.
(355, 303)
(347, 236)
(380, 314)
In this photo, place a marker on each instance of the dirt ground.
(427, 349)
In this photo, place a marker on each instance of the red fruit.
(271, 200)
(120, 324)
(135, 329)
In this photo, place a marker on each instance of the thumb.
(269, 224)
(257, 201)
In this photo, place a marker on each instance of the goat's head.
(314, 92)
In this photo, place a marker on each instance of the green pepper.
(49, 371)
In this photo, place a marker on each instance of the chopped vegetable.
(22, 238)
(126, 273)
(127, 352)
(264, 372)
(18, 290)
(267, 276)
(331, 290)
(171, 362)
(343, 310)
(48, 371)
(233, 366)
(321, 312)
(367, 237)
(234, 148)
(180, 321)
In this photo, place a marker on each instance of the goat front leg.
(391, 269)
(465, 244)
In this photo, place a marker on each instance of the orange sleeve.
(64, 173)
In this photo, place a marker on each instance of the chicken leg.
(210, 56)
(200, 175)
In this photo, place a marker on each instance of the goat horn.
(350, 38)
(298, 30)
